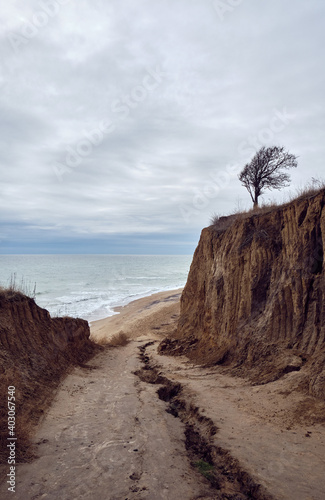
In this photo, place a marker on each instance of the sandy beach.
(132, 424)
(156, 313)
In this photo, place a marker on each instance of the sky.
(124, 124)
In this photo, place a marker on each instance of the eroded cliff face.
(35, 351)
(255, 294)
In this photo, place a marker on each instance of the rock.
(255, 293)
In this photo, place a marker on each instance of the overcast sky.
(124, 123)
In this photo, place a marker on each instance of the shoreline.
(159, 311)
(124, 302)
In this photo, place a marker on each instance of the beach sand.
(156, 313)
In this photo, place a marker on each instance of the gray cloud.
(164, 144)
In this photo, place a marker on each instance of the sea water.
(90, 286)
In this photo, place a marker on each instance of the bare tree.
(265, 171)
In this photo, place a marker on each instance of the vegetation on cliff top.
(16, 291)
(222, 222)
(265, 171)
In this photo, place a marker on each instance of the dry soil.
(132, 424)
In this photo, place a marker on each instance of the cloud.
(91, 143)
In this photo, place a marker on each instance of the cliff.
(254, 299)
(35, 351)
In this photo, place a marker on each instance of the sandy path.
(108, 436)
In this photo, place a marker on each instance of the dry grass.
(310, 190)
(221, 223)
(118, 340)
(10, 294)
(15, 290)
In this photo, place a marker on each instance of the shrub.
(118, 340)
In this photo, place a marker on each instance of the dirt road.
(108, 436)
(135, 425)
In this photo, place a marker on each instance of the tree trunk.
(255, 198)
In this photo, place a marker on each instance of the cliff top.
(222, 223)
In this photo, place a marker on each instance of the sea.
(91, 286)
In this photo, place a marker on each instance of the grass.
(310, 190)
(118, 340)
(205, 469)
(17, 290)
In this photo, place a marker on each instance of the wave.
(90, 287)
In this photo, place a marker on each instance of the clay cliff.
(35, 351)
(254, 299)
